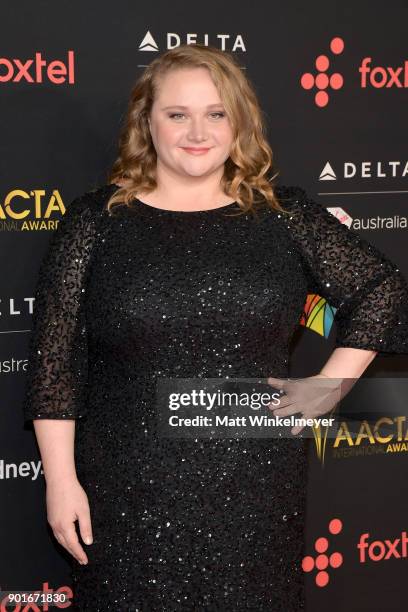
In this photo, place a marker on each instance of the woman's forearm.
(55, 439)
(347, 362)
(347, 365)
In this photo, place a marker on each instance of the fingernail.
(88, 540)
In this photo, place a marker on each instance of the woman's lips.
(195, 151)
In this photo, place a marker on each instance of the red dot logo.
(322, 80)
(323, 561)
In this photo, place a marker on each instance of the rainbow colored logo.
(318, 315)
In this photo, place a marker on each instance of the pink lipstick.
(195, 150)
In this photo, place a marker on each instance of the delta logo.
(34, 210)
(225, 42)
(327, 78)
(393, 169)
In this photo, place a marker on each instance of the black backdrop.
(59, 127)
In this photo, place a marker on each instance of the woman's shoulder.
(308, 218)
(91, 202)
(305, 215)
(292, 199)
(297, 200)
(291, 195)
(289, 191)
(97, 196)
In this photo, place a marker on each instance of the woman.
(167, 272)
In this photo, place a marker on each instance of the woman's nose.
(197, 130)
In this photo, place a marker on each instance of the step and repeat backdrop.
(332, 81)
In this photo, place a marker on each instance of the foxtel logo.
(37, 70)
(326, 78)
(379, 550)
(383, 76)
(326, 561)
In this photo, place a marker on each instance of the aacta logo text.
(25, 210)
(38, 70)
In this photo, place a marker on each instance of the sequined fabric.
(192, 524)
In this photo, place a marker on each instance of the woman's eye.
(177, 115)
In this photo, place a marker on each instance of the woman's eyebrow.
(219, 104)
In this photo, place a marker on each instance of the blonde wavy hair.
(250, 161)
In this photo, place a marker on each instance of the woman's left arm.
(367, 289)
(347, 362)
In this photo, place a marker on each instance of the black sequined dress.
(207, 524)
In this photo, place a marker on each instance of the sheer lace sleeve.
(56, 378)
(366, 287)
